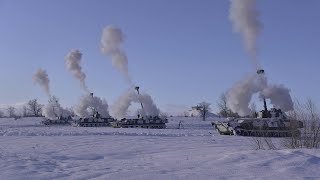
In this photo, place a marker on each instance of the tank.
(273, 123)
(94, 121)
(149, 122)
(59, 121)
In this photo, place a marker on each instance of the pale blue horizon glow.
(181, 52)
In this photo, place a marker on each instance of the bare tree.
(34, 107)
(222, 105)
(203, 109)
(11, 111)
(24, 111)
(310, 133)
(54, 102)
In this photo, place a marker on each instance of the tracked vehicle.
(59, 121)
(93, 121)
(273, 123)
(149, 122)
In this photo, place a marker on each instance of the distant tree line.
(31, 109)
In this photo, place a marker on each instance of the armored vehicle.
(93, 121)
(59, 121)
(150, 122)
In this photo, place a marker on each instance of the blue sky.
(180, 51)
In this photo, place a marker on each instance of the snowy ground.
(29, 150)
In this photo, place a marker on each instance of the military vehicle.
(149, 122)
(273, 123)
(93, 121)
(59, 121)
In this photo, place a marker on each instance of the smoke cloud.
(42, 79)
(111, 41)
(73, 64)
(120, 108)
(240, 95)
(53, 109)
(88, 104)
(244, 16)
(279, 97)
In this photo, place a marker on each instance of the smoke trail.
(111, 41)
(244, 16)
(73, 64)
(89, 103)
(42, 79)
(120, 108)
(53, 109)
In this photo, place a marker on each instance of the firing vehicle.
(94, 120)
(273, 123)
(149, 122)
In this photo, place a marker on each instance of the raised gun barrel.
(137, 88)
(261, 71)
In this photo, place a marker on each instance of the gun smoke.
(73, 64)
(244, 16)
(42, 79)
(90, 104)
(53, 109)
(111, 41)
(120, 108)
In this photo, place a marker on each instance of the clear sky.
(181, 52)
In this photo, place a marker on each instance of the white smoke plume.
(120, 108)
(244, 16)
(240, 95)
(111, 41)
(42, 79)
(53, 109)
(73, 64)
(89, 103)
(279, 97)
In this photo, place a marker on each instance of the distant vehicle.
(59, 121)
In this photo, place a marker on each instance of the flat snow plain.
(29, 150)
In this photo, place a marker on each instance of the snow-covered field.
(29, 150)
